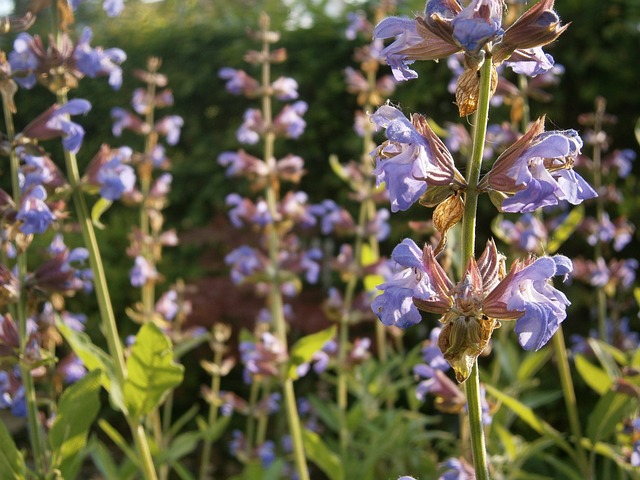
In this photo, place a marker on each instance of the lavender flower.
(95, 62)
(412, 159)
(142, 272)
(537, 171)
(170, 126)
(54, 123)
(34, 214)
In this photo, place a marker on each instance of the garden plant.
(395, 309)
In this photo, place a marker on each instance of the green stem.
(205, 461)
(472, 385)
(601, 297)
(273, 238)
(107, 316)
(19, 313)
(571, 404)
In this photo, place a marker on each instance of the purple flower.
(170, 126)
(250, 130)
(537, 171)
(526, 294)
(23, 59)
(95, 62)
(113, 7)
(412, 159)
(54, 123)
(477, 24)
(142, 272)
(34, 213)
(239, 82)
(244, 262)
(125, 120)
(115, 179)
(357, 23)
(285, 89)
(289, 122)
(406, 37)
(71, 368)
(12, 393)
(531, 62)
(395, 306)
(457, 469)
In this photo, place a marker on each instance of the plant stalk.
(107, 316)
(19, 313)
(472, 385)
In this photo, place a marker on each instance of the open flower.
(537, 171)
(447, 28)
(412, 159)
(471, 309)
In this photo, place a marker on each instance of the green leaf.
(526, 415)
(77, 409)
(339, 169)
(151, 371)
(324, 458)
(562, 233)
(12, 466)
(304, 349)
(532, 362)
(593, 376)
(609, 410)
(119, 440)
(368, 255)
(215, 431)
(101, 206)
(94, 358)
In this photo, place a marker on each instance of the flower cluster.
(471, 309)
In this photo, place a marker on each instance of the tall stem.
(19, 311)
(601, 296)
(571, 404)
(107, 316)
(472, 385)
(275, 296)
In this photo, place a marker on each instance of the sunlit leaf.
(151, 371)
(98, 209)
(593, 376)
(303, 349)
(563, 231)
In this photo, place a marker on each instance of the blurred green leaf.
(215, 431)
(608, 412)
(532, 362)
(77, 409)
(98, 209)
(324, 458)
(563, 231)
(593, 376)
(151, 371)
(12, 466)
(94, 358)
(529, 417)
(119, 441)
(304, 348)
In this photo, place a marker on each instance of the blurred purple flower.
(95, 62)
(289, 122)
(285, 89)
(170, 127)
(54, 122)
(239, 82)
(34, 213)
(142, 272)
(244, 261)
